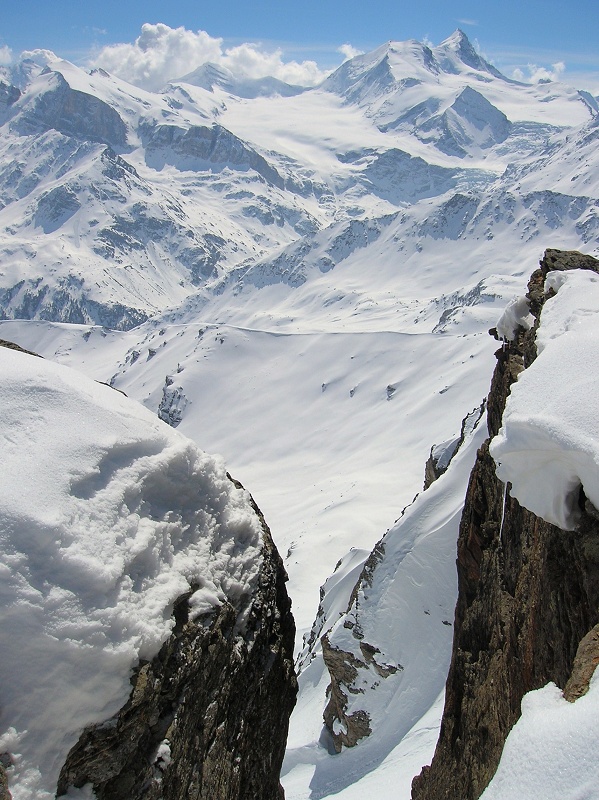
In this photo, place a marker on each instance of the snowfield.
(108, 516)
(302, 282)
(551, 752)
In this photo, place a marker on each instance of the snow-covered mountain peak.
(28, 67)
(457, 52)
(400, 65)
(210, 76)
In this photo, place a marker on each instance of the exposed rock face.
(200, 144)
(207, 717)
(528, 594)
(73, 113)
(345, 729)
(441, 455)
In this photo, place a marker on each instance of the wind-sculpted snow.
(547, 446)
(108, 517)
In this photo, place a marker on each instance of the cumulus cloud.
(349, 51)
(40, 57)
(5, 54)
(161, 53)
(535, 74)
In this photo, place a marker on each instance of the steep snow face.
(108, 516)
(547, 447)
(387, 647)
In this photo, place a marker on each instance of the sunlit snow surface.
(548, 445)
(551, 753)
(343, 331)
(407, 613)
(108, 516)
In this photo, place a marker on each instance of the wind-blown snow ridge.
(103, 529)
(547, 447)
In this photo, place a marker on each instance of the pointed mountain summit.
(397, 66)
(210, 76)
(366, 76)
(457, 51)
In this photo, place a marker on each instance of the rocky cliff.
(207, 717)
(146, 630)
(528, 595)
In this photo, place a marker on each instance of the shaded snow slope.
(108, 516)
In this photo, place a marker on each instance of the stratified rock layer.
(207, 718)
(528, 594)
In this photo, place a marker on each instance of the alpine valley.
(303, 281)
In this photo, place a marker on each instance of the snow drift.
(548, 445)
(107, 517)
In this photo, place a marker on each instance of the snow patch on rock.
(548, 446)
(108, 516)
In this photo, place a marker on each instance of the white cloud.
(467, 21)
(5, 54)
(349, 51)
(535, 74)
(40, 57)
(161, 53)
(250, 61)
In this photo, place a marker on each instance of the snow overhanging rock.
(548, 446)
(121, 538)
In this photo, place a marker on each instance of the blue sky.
(510, 34)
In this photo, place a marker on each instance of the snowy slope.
(319, 271)
(388, 644)
(108, 516)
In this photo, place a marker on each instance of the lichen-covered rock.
(528, 594)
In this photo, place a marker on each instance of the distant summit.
(210, 76)
(396, 63)
(457, 51)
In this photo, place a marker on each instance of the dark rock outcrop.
(207, 718)
(72, 113)
(4, 793)
(343, 669)
(199, 145)
(528, 594)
